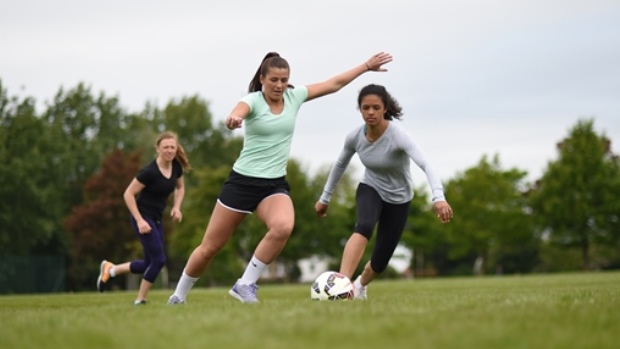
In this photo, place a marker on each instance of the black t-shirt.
(152, 199)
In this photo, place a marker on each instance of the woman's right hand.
(143, 226)
(233, 122)
(321, 209)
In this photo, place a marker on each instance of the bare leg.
(278, 214)
(121, 269)
(145, 287)
(367, 275)
(352, 254)
(221, 226)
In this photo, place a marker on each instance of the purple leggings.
(154, 254)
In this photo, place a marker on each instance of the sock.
(184, 286)
(112, 272)
(253, 271)
(358, 282)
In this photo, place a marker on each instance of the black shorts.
(243, 194)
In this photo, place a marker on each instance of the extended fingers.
(375, 62)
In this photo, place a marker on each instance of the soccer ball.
(331, 286)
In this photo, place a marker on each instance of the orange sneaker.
(104, 275)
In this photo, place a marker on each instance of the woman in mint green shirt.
(257, 181)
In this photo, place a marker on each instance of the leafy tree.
(576, 201)
(207, 144)
(423, 233)
(72, 120)
(313, 235)
(329, 235)
(490, 222)
(99, 228)
(27, 195)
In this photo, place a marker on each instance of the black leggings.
(391, 218)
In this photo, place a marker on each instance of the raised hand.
(376, 62)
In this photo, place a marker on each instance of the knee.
(365, 229)
(159, 262)
(207, 252)
(378, 267)
(137, 267)
(281, 230)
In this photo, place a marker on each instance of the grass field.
(541, 311)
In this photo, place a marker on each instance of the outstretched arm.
(237, 115)
(374, 63)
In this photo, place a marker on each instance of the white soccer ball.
(331, 286)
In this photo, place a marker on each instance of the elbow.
(335, 85)
(127, 196)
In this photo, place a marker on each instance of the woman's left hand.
(176, 215)
(321, 209)
(376, 62)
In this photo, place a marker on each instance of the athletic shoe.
(104, 275)
(359, 291)
(142, 302)
(244, 293)
(174, 300)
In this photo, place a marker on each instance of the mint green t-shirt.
(268, 137)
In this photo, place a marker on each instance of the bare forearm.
(130, 201)
(179, 194)
(341, 80)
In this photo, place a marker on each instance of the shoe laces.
(247, 290)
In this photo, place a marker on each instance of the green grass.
(541, 311)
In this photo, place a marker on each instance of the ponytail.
(271, 60)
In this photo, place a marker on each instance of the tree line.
(63, 172)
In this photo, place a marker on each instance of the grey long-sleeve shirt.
(387, 165)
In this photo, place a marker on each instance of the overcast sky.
(506, 77)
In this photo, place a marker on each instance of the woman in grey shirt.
(385, 192)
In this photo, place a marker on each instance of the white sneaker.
(359, 290)
(174, 300)
(244, 293)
